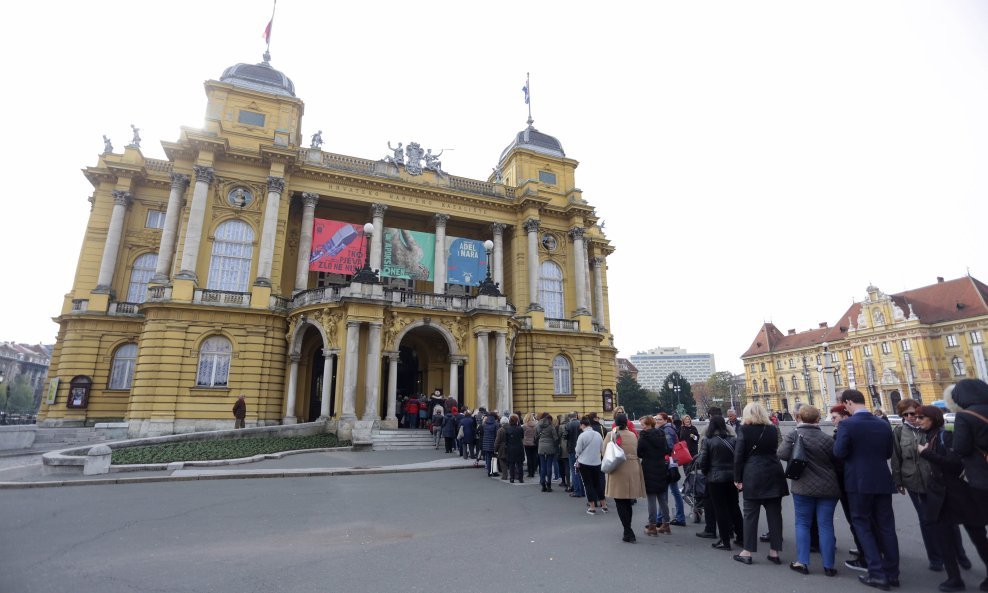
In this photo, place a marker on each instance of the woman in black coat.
(652, 450)
(514, 448)
(690, 434)
(717, 464)
(759, 476)
(949, 499)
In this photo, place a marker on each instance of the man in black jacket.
(705, 506)
(571, 431)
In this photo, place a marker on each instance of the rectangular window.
(886, 348)
(778, 365)
(951, 340)
(547, 177)
(251, 118)
(867, 350)
(156, 220)
(847, 355)
(906, 345)
(792, 363)
(976, 337)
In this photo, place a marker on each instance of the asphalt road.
(455, 531)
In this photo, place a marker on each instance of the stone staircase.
(55, 438)
(404, 438)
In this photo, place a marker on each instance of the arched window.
(795, 383)
(763, 367)
(551, 290)
(765, 385)
(143, 269)
(229, 265)
(561, 381)
(754, 386)
(122, 371)
(782, 383)
(214, 362)
(958, 364)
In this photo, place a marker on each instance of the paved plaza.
(416, 531)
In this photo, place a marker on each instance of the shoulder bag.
(681, 453)
(613, 455)
(797, 462)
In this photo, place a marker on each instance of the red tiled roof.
(765, 341)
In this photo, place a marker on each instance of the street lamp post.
(488, 287)
(828, 371)
(675, 387)
(366, 275)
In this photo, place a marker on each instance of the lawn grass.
(220, 449)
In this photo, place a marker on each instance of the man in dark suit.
(864, 442)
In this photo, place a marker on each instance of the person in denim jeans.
(547, 440)
(437, 424)
(816, 493)
(571, 432)
(663, 421)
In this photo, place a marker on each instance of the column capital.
(309, 200)
(203, 174)
(352, 323)
(179, 181)
(482, 334)
(577, 232)
(390, 354)
(327, 352)
(501, 333)
(378, 209)
(121, 198)
(498, 228)
(375, 324)
(441, 219)
(531, 225)
(276, 184)
(597, 261)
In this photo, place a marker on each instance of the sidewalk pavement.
(26, 471)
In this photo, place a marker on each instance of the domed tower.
(535, 157)
(253, 105)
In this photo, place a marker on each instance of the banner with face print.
(466, 261)
(408, 254)
(337, 247)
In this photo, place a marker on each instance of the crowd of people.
(736, 467)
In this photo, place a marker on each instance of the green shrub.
(220, 449)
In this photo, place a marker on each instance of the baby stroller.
(694, 490)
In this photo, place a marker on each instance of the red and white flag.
(267, 32)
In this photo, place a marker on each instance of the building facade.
(656, 364)
(27, 362)
(911, 344)
(326, 286)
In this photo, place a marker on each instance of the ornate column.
(292, 386)
(598, 290)
(579, 269)
(372, 378)
(309, 202)
(500, 370)
(173, 213)
(393, 385)
(276, 185)
(532, 228)
(327, 381)
(439, 284)
(376, 248)
(454, 377)
(108, 265)
(193, 230)
(483, 364)
(498, 229)
(350, 371)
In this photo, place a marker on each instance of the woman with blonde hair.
(530, 428)
(758, 474)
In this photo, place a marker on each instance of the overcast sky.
(752, 161)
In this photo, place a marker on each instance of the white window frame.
(230, 261)
(951, 340)
(214, 362)
(552, 290)
(867, 349)
(795, 383)
(122, 367)
(960, 369)
(886, 348)
(140, 275)
(976, 337)
(155, 219)
(906, 345)
(562, 378)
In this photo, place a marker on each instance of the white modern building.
(656, 364)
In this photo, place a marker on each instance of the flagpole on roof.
(267, 33)
(528, 98)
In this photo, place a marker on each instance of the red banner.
(337, 247)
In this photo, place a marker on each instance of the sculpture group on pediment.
(412, 156)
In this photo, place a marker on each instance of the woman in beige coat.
(625, 483)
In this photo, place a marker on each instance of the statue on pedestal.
(107, 145)
(136, 141)
(316, 140)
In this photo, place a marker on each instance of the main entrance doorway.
(423, 366)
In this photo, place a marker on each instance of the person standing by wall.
(240, 412)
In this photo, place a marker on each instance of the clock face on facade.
(549, 242)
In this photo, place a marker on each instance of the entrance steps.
(402, 438)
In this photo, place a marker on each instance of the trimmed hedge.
(221, 449)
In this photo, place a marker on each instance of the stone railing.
(348, 163)
(121, 308)
(429, 300)
(279, 303)
(599, 327)
(229, 298)
(562, 324)
(158, 165)
(313, 296)
(480, 187)
(159, 294)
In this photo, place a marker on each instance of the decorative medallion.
(241, 197)
(549, 242)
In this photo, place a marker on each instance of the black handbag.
(797, 462)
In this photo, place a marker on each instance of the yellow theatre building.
(322, 286)
(888, 346)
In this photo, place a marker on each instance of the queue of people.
(861, 467)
